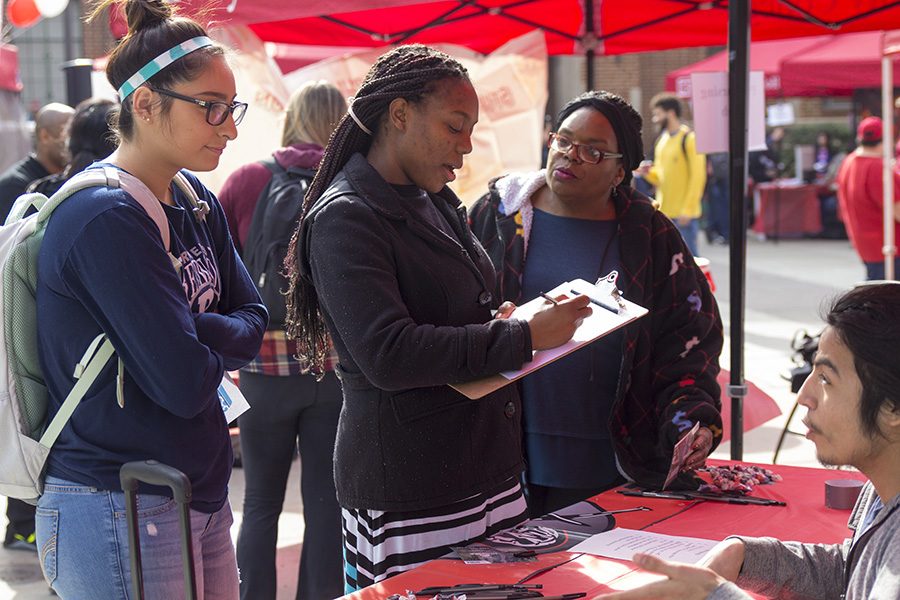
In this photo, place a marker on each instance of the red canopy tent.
(571, 26)
(837, 67)
(765, 56)
(582, 26)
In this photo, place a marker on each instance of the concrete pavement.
(787, 281)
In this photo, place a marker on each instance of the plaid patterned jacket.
(670, 359)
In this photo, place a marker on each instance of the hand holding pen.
(556, 322)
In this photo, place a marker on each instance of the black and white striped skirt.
(379, 544)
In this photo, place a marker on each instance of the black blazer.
(408, 309)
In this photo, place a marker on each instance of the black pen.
(599, 302)
(739, 500)
(566, 596)
(549, 299)
(663, 495)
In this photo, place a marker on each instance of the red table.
(786, 210)
(804, 519)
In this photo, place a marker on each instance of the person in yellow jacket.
(678, 171)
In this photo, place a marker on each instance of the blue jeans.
(875, 270)
(719, 207)
(689, 234)
(82, 538)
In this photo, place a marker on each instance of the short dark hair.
(153, 28)
(667, 101)
(866, 320)
(90, 136)
(411, 72)
(626, 122)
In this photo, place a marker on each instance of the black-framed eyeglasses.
(587, 153)
(216, 111)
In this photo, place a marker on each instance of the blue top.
(102, 268)
(567, 403)
(875, 507)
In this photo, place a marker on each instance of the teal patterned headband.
(161, 62)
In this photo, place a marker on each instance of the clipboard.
(610, 312)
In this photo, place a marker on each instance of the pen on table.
(649, 494)
(566, 596)
(600, 303)
(696, 496)
(549, 298)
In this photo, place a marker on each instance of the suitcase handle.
(156, 473)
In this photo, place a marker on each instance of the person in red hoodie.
(861, 198)
(289, 407)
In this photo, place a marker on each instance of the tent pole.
(738, 84)
(590, 69)
(887, 112)
(590, 42)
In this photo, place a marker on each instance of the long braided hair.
(409, 72)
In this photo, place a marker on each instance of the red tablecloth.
(787, 210)
(805, 518)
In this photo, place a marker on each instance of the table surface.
(788, 209)
(805, 519)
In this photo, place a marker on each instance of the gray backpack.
(25, 435)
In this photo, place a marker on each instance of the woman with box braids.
(384, 262)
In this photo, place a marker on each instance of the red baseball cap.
(869, 130)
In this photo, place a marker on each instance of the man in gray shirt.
(852, 399)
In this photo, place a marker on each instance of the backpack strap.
(201, 207)
(86, 373)
(22, 204)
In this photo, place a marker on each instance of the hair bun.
(146, 14)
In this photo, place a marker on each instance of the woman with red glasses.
(615, 410)
(151, 266)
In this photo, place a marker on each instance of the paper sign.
(780, 114)
(680, 453)
(233, 402)
(711, 101)
(625, 543)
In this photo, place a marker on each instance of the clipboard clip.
(607, 285)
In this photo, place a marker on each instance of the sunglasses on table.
(216, 111)
(587, 153)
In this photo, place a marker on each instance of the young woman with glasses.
(178, 316)
(615, 409)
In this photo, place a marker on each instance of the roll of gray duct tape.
(842, 493)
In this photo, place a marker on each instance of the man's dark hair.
(866, 320)
(667, 101)
(410, 72)
(625, 120)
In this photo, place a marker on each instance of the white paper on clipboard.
(601, 322)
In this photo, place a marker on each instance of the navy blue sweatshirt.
(102, 268)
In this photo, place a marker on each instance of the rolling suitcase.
(156, 473)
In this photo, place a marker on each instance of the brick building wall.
(98, 41)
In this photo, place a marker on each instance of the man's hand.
(683, 582)
(700, 448)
